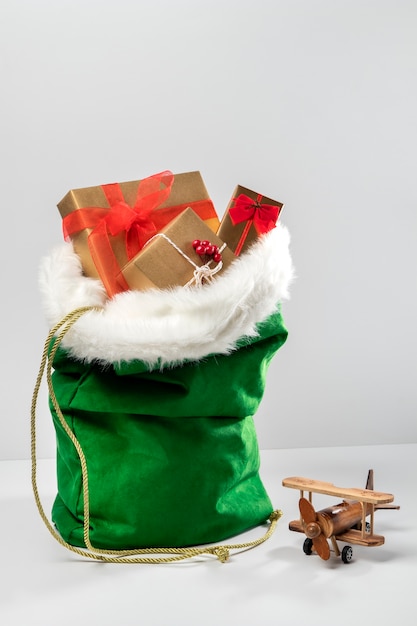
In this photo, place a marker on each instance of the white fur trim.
(165, 327)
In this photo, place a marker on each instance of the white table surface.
(44, 584)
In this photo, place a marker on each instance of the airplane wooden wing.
(317, 486)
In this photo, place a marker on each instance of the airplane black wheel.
(308, 546)
(347, 554)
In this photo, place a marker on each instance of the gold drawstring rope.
(222, 552)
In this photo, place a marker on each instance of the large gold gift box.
(104, 254)
(248, 216)
(169, 259)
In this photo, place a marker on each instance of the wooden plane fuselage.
(343, 522)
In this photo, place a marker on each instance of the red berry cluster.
(208, 249)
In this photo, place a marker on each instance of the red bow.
(263, 216)
(134, 221)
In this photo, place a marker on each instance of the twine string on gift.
(202, 273)
(138, 555)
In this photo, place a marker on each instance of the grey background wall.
(312, 102)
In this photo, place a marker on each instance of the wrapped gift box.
(169, 258)
(109, 224)
(248, 216)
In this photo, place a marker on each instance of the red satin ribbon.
(134, 222)
(262, 216)
(203, 208)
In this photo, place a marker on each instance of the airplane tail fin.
(370, 485)
(370, 480)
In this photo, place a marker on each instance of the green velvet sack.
(161, 451)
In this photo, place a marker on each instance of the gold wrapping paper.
(161, 265)
(187, 189)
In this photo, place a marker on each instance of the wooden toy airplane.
(344, 522)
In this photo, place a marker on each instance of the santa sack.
(153, 394)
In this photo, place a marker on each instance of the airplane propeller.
(313, 529)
